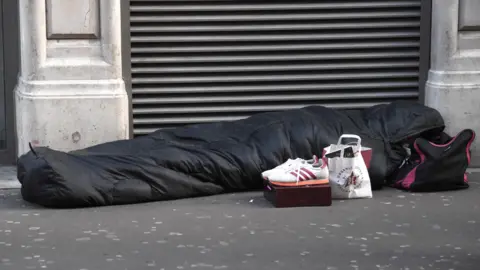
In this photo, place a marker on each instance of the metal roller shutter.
(198, 61)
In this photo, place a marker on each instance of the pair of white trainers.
(298, 172)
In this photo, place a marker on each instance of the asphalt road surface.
(394, 230)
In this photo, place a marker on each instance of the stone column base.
(70, 115)
(458, 103)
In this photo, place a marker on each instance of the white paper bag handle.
(351, 136)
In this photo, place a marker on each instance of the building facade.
(83, 72)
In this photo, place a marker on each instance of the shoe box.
(297, 196)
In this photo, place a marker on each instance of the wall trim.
(126, 58)
(11, 57)
(425, 45)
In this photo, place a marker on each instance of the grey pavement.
(8, 177)
(394, 230)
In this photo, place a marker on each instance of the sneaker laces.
(290, 162)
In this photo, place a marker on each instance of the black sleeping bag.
(207, 159)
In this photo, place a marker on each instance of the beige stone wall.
(70, 92)
(453, 85)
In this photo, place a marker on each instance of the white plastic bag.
(349, 177)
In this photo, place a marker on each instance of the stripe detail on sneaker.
(307, 171)
(300, 177)
(305, 174)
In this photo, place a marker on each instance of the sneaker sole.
(301, 183)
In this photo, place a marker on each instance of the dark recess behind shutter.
(202, 61)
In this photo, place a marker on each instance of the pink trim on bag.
(467, 150)
(422, 155)
(469, 144)
(443, 145)
(410, 178)
(453, 139)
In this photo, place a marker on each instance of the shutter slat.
(259, 78)
(341, 85)
(222, 60)
(273, 6)
(265, 57)
(274, 27)
(268, 98)
(262, 37)
(276, 17)
(139, 48)
(243, 68)
(186, 119)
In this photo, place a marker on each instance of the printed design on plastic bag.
(350, 179)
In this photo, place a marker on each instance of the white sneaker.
(305, 172)
(284, 166)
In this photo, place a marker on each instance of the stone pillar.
(70, 91)
(453, 86)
